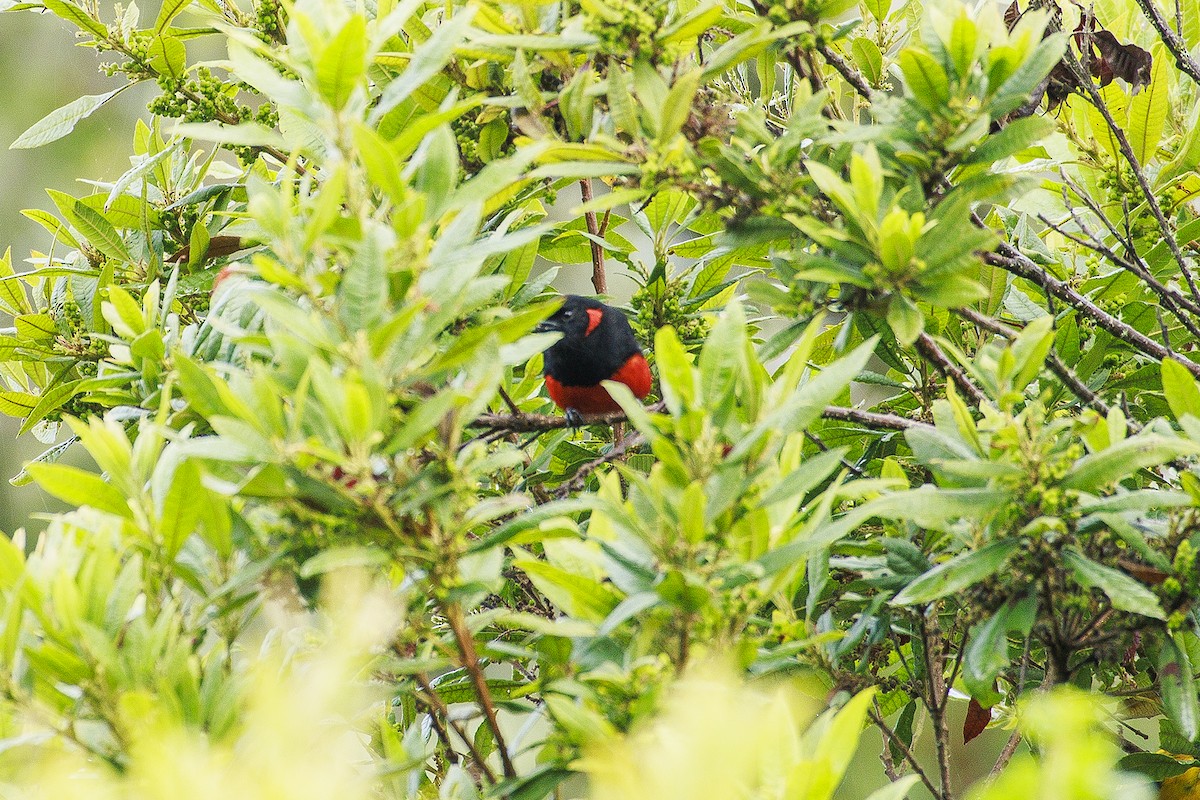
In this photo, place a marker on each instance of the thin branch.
(599, 278)
(579, 479)
(929, 350)
(1127, 151)
(1171, 39)
(1171, 299)
(1064, 373)
(871, 419)
(844, 68)
(824, 448)
(508, 401)
(891, 735)
(931, 647)
(885, 755)
(1012, 260)
(470, 662)
(438, 706)
(1010, 748)
(533, 423)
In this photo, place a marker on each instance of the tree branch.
(1171, 39)
(1012, 260)
(851, 75)
(929, 350)
(470, 662)
(891, 735)
(579, 479)
(1064, 373)
(1126, 149)
(532, 423)
(599, 278)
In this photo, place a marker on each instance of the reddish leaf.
(977, 719)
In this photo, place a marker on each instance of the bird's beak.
(549, 326)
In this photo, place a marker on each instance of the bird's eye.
(568, 313)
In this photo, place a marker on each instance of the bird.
(597, 344)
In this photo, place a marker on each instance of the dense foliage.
(918, 284)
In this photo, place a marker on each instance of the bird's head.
(575, 319)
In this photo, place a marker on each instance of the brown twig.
(470, 662)
(931, 649)
(892, 736)
(532, 423)
(437, 706)
(851, 75)
(1012, 260)
(1171, 39)
(930, 351)
(1126, 149)
(508, 401)
(1064, 373)
(885, 755)
(599, 279)
(579, 479)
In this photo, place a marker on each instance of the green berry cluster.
(783, 12)
(660, 304)
(627, 28)
(269, 19)
(469, 133)
(205, 98)
(466, 133)
(137, 52)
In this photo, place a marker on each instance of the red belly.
(634, 373)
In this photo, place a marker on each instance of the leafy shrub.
(925, 425)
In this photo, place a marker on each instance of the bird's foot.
(574, 418)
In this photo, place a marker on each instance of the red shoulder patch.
(594, 317)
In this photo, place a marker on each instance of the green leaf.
(692, 25)
(958, 573)
(678, 106)
(168, 56)
(1012, 138)
(1176, 677)
(867, 57)
(964, 37)
(36, 327)
(80, 488)
(987, 649)
(1148, 111)
(578, 596)
(61, 121)
(100, 233)
(1180, 389)
(17, 404)
(925, 79)
(675, 371)
(362, 293)
(427, 61)
(836, 748)
(1156, 766)
(342, 64)
(73, 13)
(169, 11)
(905, 319)
(1125, 593)
(1017, 89)
(181, 508)
(1095, 471)
(878, 9)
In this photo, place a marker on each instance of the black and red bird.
(597, 345)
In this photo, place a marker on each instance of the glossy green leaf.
(960, 572)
